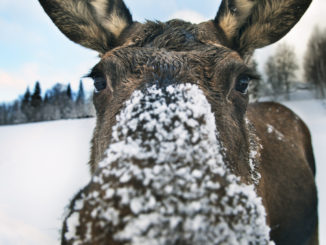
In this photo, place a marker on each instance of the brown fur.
(292, 163)
(212, 56)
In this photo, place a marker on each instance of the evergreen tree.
(16, 115)
(26, 105)
(46, 98)
(69, 93)
(58, 100)
(36, 99)
(3, 114)
(36, 103)
(68, 107)
(50, 108)
(81, 110)
(45, 107)
(26, 98)
(81, 93)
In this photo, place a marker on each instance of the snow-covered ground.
(42, 165)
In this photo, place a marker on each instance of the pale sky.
(33, 49)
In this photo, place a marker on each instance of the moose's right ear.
(94, 24)
(252, 24)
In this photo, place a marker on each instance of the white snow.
(72, 223)
(272, 130)
(43, 165)
(254, 153)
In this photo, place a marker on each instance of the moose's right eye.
(242, 84)
(99, 83)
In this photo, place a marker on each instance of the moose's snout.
(164, 181)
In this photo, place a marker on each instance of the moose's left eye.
(242, 84)
(99, 83)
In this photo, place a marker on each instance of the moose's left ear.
(252, 24)
(95, 24)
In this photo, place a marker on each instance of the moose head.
(178, 156)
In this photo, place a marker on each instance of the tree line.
(278, 82)
(59, 102)
(280, 70)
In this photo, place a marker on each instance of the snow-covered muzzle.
(163, 180)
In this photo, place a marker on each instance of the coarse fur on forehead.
(171, 35)
(164, 181)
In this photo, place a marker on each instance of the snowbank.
(42, 165)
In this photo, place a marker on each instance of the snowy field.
(44, 164)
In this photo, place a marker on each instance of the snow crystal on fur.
(164, 182)
(254, 153)
(271, 129)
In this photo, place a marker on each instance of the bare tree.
(287, 66)
(273, 77)
(280, 70)
(315, 62)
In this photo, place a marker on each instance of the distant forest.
(59, 102)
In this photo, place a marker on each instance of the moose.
(179, 156)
